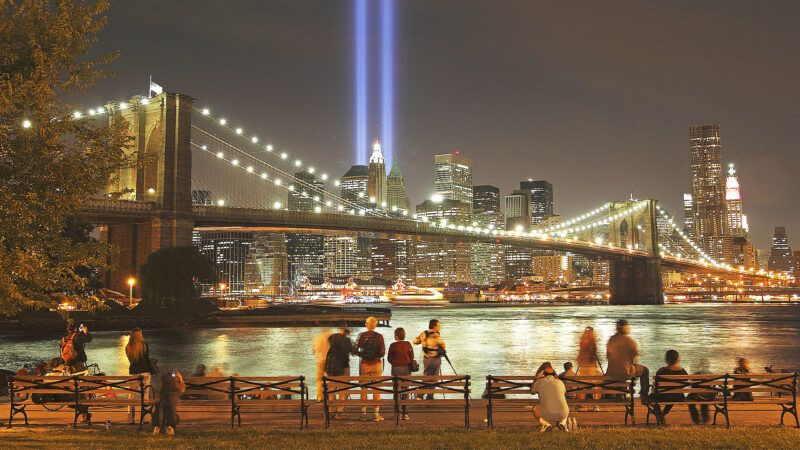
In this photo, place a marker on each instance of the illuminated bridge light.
(206, 111)
(219, 154)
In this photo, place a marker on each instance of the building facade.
(708, 192)
(518, 211)
(376, 181)
(688, 215)
(353, 185)
(266, 265)
(396, 192)
(452, 211)
(307, 188)
(734, 209)
(306, 257)
(487, 264)
(553, 268)
(541, 193)
(453, 177)
(780, 256)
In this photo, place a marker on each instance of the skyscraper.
(688, 215)
(735, 217)
(486, 210)
(266, 264)
(518, 212)
(396, 194)
(306, 257)
(453, 211)
(376, 181)
(383, 253)
(453, 177)
(345, 257)
(541, 198)
(354, 185)
(708, 192)
(487, 263)
(780, 256)
(308, 187)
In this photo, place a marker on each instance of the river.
(481, 340)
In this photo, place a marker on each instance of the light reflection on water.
(481, 340)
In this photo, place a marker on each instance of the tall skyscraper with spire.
(708, 192)
(376, 184)
(735, 216)
(396, 194)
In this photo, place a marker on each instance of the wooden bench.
(725, 390)
(448, 391)
(252, 395)
(513, 393)
(78, 394)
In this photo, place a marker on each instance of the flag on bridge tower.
(155, 89)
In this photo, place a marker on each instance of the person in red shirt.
(401, 356)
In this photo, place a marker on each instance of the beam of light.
(387, 80)
(361, 81)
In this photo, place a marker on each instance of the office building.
(487, 264)
(517, 261)
(396, 193)
(307, 187)
(453, 177)
(438, 263)
(405, 260)
(383, 254)
(744, 253)
(735, 217)
(229, 251)
(452, 211)
(541, 198)
(485, 198)
(353, 185)
(306, 257)
(780, 256)
(346, 257)
(376, 181)
(552, 268)
(688, 215)
(518, 211)
(708, 192)
(266, 265)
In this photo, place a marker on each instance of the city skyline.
(540, 108)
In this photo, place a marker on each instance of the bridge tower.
(161, 131)
(636, 280)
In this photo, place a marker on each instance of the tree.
(170, 277)
(50, 163)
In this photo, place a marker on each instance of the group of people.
(333, 351)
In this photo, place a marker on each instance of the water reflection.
(480, 340)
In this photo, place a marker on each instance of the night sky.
(595, 97)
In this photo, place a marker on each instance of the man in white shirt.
(552, 407)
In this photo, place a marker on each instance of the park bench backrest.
(207, 388)
(355, 386)
(98, 386)
(253, 389)
(763, 386)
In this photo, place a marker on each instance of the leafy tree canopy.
(49, 163)
(171, 277)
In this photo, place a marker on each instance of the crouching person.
(165, 409)
(552, 408)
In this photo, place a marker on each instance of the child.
(165, 409)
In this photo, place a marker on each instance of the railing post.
(325, 411)
(141, 398)
(466, 401)
(77, 403)
(233, 400)
(396, 390)
(11, 402)
(489, 412)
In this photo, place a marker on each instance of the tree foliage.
(50, 168)
(171, 277)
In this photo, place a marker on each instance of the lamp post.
(131, 283)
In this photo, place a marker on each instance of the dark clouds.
(596, 97)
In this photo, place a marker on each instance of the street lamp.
(131, 283)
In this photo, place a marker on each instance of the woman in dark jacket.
(138, 354)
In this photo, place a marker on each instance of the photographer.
(433, 348)
(73, 347)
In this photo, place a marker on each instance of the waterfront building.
(396, 193)
(780, 256)
(353, 185)
(708, 192)
(202, 198)
(737, 220)
(228, 250)
(541, 198)
(306, 257)
(307, 186)
(487, 264)
(553, 268)
(437, 263)
(453, 211)
(518, 211)
(376, 181)
(688, 215)
(517, 262)
(266, 265)
(453, 177)
(347, 256)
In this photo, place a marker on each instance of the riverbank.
(451, 438)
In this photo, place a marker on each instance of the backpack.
(370, 349)
(68, 352)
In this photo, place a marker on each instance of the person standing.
(588, 361)
(432, 347)
(371, 348)
(73, 347)
(623, 357)
(401, 357)
(165, 408)
(337, 362)
(552, 407)
(138, 353)
(320, 347)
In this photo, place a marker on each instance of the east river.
(480, 340)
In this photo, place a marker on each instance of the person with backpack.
(337, 363)
(165, 408)
(433, 348)
(138, 353)
(371, 348)
(401, 357)
(73, 347)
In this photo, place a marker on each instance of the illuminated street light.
(26, 124)
(131, 283)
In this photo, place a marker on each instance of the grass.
(506, 438)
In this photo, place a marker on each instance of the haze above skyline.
(597, 99)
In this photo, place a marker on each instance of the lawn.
(509, 438)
